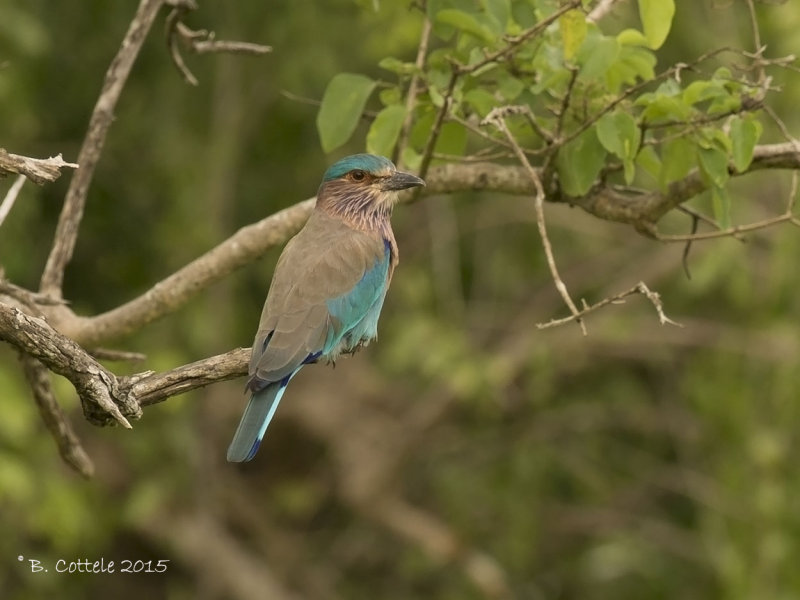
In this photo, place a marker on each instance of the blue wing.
(357, 311)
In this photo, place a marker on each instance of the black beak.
(401, 181)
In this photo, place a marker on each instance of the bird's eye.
(357, 175)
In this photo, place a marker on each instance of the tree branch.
(38, 170)
(69, 446)
(639, 209)
(10, 198)
(151, 388)
(601, 10)
(240, 249)
(497, 117)
(639, 288)
(96, 386)
(199, 41)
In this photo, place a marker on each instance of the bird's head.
(364, 182)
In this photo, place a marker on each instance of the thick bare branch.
(243, 247)
(99, 123)
(150, 388)
(38, 170)
(96, 386)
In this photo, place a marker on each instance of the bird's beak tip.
(402, 181)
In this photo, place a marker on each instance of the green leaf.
(744, 135)
(499, 12)
(395, 65)
(452, 139)
(385, 129)
(660, 107)
(436, 97)
(480, 100)
(466, 22)
(631, 37)
(711, 137)
(649, 161)
(342, 106)
(721, 206)
(714, 165)
(697, 91)
(724, 105)
(579, 162)
(656, 18)
(677, 159)
(509, 87)
(390, 95)
(618, 133)
(634, 62)
(597, 54)
(572, 25)
(411, 158)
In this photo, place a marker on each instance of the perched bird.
(328, 287)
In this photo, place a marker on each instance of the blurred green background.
(465, 455)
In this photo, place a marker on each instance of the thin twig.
(171, 22)
(427, 153)
(562, 112)
(497, 118)
(758, 56)
(413, 89)
(102, 116)
(117, 355)
(200, 41)
(637, 88)
(783, 128)
(204, 42)
(729, 232)
(639, 288)
(688, 247)
(478, 131)
(300, 99)
(601, 10)
(27, 297)
(700, 217)
(69, 445)
(515, 41)
(11, 198)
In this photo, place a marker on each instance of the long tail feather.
(255, 420)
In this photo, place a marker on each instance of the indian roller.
(328, 288)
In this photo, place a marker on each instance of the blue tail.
(255, 420)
